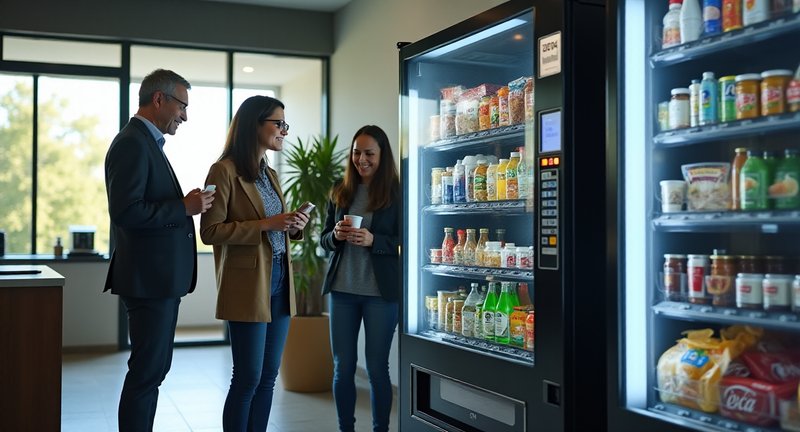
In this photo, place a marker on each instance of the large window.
(59, 113)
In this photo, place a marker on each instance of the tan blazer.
(242, 252)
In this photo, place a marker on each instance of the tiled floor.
(192, 396)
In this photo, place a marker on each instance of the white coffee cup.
(673, 194)
(355, 221)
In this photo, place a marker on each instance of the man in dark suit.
(154, 260)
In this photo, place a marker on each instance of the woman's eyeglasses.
(280, 123)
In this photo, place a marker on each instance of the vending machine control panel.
(547, 186)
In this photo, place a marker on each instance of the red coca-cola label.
(752, 401)
(697, 278)
(772, 367)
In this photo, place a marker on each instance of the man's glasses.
(183, 105)
(280, 123)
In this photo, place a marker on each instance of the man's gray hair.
(162, 80)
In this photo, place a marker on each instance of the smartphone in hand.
(210, 188)
(306, 208)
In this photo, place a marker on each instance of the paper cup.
(355, 221)
(673, 194)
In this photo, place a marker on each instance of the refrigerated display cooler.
(705, 207)
(517, 90)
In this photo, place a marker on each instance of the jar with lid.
(777, 292)
(525, 257)
(722, 280)
(749, 294)
(773, 90)
(750, 264)
(747, 96)
(492, 254)
(675, 277)
(508, 256)
(796, 294)
(698, 269)
(436, 185)
(679, 109)
(775, 264)
(447, 186)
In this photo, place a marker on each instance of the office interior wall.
(365, 77)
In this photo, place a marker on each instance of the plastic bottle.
(458, 250)
(488, 309)
(785, 188)
(522, 176)
(508, 256)
(505, 305)
(480, 249)
(478, 328)
(468, 311)
(512, 177)
(691, 19)
(753, 183)
(694, 103)
(771, 160)
(709, 102)
(469, 248)
(448, 246)
(755, 11)
(501, 236)
(479, 180)
(459, 183)
(671, 35)
(491, 183)
(736, 173)
(500, 179)
(470, 163)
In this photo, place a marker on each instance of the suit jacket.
(155, 254)
(242, 252)
(385, 250)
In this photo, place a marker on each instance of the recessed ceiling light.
(518, 37)
(248, 69)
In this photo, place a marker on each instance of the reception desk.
(30, 348)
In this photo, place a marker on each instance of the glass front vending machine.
(502, 150)
(706, 326)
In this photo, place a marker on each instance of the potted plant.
(311, 170)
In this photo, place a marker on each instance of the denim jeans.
(380, 319)
(257, 348)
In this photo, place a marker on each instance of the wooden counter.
(30, 348)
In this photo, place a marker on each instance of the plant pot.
(307, 364)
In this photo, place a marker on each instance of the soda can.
(731, 15)
(663, 116)
(727, 98)
(712, 17)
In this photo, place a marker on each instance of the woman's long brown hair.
(385, 185)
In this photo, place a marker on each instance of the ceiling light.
(248, 69)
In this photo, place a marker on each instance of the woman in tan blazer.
(250, 228)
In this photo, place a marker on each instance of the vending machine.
(502, 165)
(704, 137)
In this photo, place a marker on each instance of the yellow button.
(552, 241)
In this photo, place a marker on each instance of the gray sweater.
(355, 274)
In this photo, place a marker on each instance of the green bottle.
(487, 312)
(505, 305)
(753, 183)
(787, 181)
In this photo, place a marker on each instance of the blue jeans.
(380, 320)
(257, 348)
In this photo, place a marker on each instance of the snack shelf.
(504, 352)
(731, 40)
(707, 421)
(734, 130)
(501, 208)
(766, 222)
(477, 139)
(728, 315)
(486, 273)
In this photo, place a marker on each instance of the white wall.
(365, 80)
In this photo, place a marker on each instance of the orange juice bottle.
(500, 179)
(512, 179)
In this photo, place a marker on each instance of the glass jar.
(679, 109)
(675, 276)
(750, 264)
(773, 91)
(492, 254)
(749, 294)
(525, 257)
(508, 256)
(777, 292)
(796, 294)
(721, 283)
(697, 270)
(775, 264)
(747, 96)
